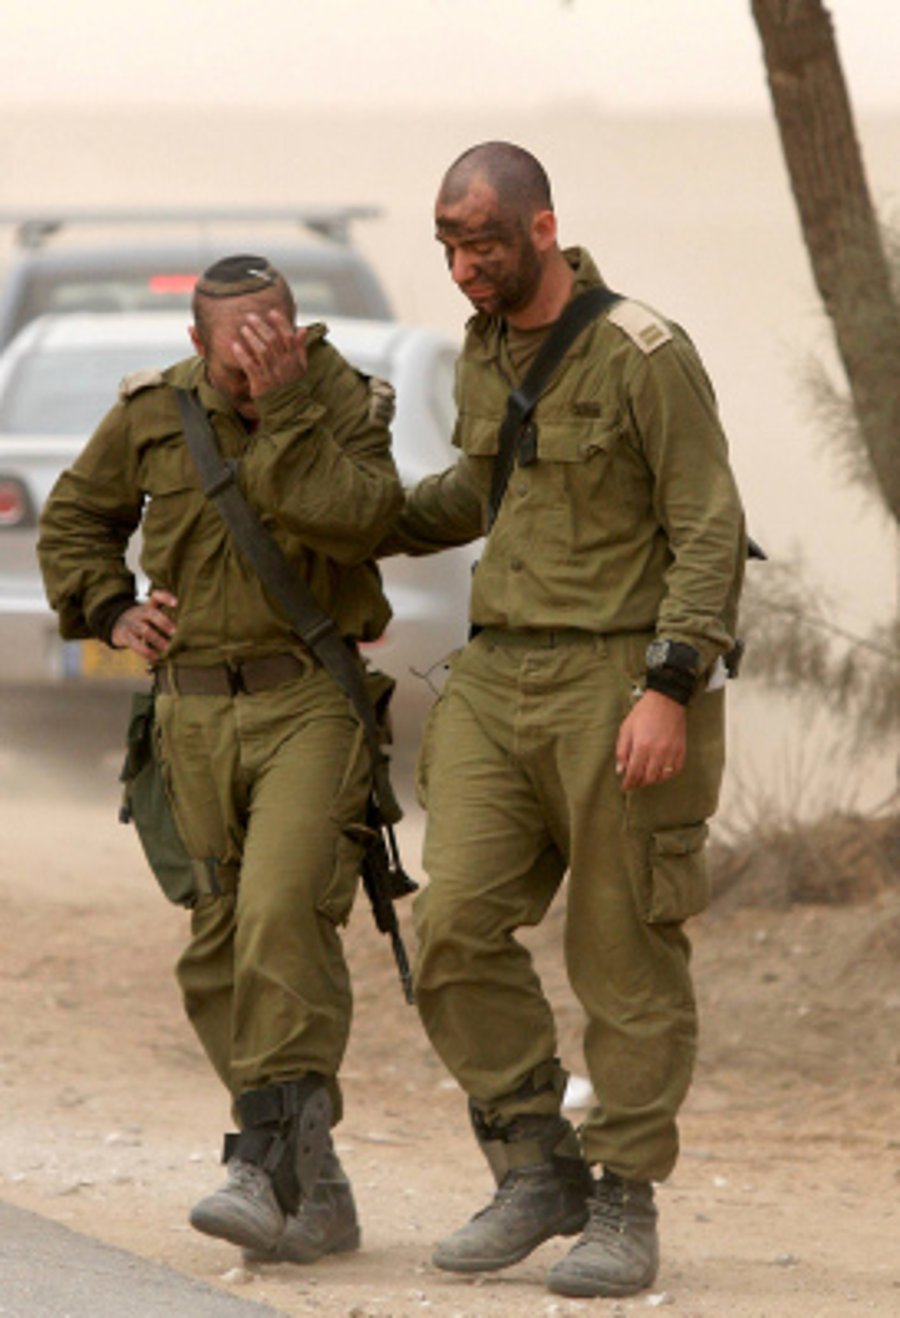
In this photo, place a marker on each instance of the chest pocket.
(573, 439)
(167, 467)
(175, 506)
(590, 487)
(576, 440)
(479, 436)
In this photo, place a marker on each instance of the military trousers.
(263, 788)
(517, 773)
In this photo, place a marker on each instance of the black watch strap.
(676, 683)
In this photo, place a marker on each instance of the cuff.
(107, 613)
(287, 404)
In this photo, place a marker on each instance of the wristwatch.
(672, 668)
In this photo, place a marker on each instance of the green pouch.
(146, 805)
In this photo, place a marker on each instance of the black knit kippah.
(234, 276)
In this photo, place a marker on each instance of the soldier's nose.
(461, 269)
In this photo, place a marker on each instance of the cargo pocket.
(679, 880)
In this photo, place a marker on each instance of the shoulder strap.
(576, 316)
(309, 620)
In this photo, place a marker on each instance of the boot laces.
(248, 1178)
(606, 1207)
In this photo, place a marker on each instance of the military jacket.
(629, 520)
(317, 469)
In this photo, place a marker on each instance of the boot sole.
(583, 1288)
(346, 1244)
(571, 1226)
(586, 1290)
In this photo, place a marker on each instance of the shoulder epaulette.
(135, 381)
(316, 332)
(382, 400)
(641, 325)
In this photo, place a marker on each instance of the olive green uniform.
(627, 526)
(264, 780)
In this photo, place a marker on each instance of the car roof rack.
(331, 222)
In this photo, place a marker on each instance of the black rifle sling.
(575, 317)
(309, 620)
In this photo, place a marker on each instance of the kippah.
(235, 275)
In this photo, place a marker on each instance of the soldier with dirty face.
(580, 732)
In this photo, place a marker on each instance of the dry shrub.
(843, 858)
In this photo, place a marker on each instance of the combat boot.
(542, 1186)
(325, 1223)
(273, 1163)
(244, 1210)
(618, 1253)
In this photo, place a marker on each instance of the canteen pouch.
(146, 805)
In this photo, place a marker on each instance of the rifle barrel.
(403, 966)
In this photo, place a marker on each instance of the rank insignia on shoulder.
(641, 325)
(135, 381)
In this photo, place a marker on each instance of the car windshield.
(66, 392)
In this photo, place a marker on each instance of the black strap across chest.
(517, 433)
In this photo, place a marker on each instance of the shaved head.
(494, 219)
(518, 179)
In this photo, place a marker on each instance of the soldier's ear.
(543, 230)
(196, 341)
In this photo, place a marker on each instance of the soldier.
(581, 730)
(264, 759)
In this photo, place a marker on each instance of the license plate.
(96, 662)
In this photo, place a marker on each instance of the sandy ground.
(786, 1200)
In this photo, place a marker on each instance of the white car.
(60, 375)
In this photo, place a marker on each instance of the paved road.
(48, 1271)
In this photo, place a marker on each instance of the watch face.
(662, 653)
(657, 653)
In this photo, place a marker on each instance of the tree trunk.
(839, 225)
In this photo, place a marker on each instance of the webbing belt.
(249, 676)
(536, 639)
